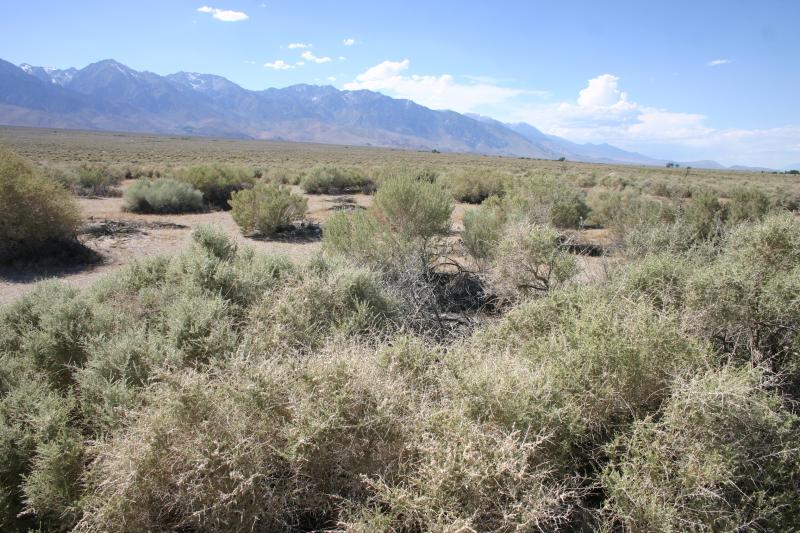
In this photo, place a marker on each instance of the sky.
(682, 80)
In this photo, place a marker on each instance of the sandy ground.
(120, 249)
(169, 234)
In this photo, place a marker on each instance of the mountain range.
(108, 95)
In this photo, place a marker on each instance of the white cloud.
(223, 14)
(308, 56)
(438, 92)
(604, 113)
(299, 45)
(349, 42)
(718, 62)
(331, 78)
(278, 64)
(342, 58)
(300, 63)
(602, 91)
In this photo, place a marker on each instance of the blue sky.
(674, 79)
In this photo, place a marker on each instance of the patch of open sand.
(120, 249)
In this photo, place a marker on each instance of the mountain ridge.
(108, 95)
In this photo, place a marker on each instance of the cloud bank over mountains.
(602, 112)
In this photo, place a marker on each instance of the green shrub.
(41, 450)
(474, 185)
(327, 179)
(661, 279)
(87, 179)
(217, 183)
(627, 210)
(413, 208)
(644, 240)
(282, 175)
(746, 300)
(718, 459)
(49, 328)
(267, 208)
(162, 195)
(117, 369)
(483, 228)
(37, 216)
(359, 236)
(580, 364)
(705, 215)
(301, 316)
(550, 201)
(529, 260)
(748, 204)
(261, 446)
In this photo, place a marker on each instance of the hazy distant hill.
(108, 95)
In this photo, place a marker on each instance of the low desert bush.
(627, 210)
(48, 329)
(676, 237)
(748, 204)
(38, 218)
(718, 458)
(42, 459)
(529, 260)
(88, 179)
(282, 175)
(325, 302)
(400, 234)
(359, 236)
(328, 179)
(661, 279)
(705, 215)
(483, 228)
(267, 208)
(550, 201)
(162, 195)
(474, 185)
(261, 446)
(217, 183)
(588, 361)
(413, 208)
(746, 299)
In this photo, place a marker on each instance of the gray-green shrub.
(546, 200)
(474, 185)
(413, 208)
(328, 179)
(162, 195)
(37, 216)
(266, 208)
(529, 260)
(483, 228)
(217, 182)
(718, 458)
(748, 204)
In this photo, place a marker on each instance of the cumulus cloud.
(602, 91)
(299, 45)
(349, 42)
(718, 62)
(308, 56)
(223, 14)
(604, 113)
(438, 92)
(278, 64)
